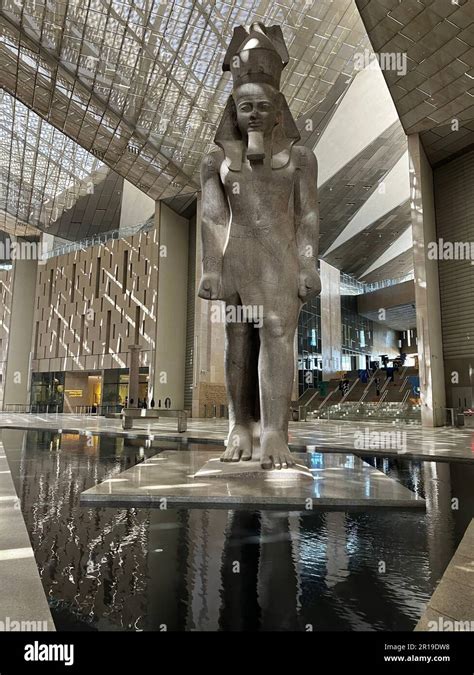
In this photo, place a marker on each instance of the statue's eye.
(265, 106)
(245, 107)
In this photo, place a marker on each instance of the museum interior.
(121, 380)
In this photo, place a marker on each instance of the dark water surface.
(147, 569)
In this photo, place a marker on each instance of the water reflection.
(149, 569)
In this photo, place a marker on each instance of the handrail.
(385, 386)
(31, 408)
(333, 391)
(316, 393)
(356, 287)
(403, 384)
(369, 384)
(356, 381)
(97, 239)
(382, 399)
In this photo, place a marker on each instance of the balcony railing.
(98, 239)
(351, 286)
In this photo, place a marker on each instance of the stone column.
(17, 370)
(209, 340)
(134, 375)
(331, 331)
(428, 308)
(170, 350)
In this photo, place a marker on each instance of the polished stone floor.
(452, 606)
(358, 437)
(22, 598)
(191, 479)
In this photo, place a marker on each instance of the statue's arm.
(307, 214)
(214, 223)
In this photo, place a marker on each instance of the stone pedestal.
(188, 479)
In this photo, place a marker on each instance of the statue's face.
(257, 107)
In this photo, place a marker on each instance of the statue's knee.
(274, 326)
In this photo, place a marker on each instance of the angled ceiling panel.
(359, 252)
(437, 39)
(345, 193)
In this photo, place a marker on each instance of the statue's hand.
(210, 286)
(309, 284)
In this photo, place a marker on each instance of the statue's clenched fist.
(309, 284)
(210, 286)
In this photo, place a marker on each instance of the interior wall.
(170, 354)
(427, 295)
(384, 341)
(76, 391)
(6, 278)
(454, 202)
(18, 365)
(75, 294)
(137, 207)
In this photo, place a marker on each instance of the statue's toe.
(227, 455)
(236, 455)
(246, 454)
(266, 462)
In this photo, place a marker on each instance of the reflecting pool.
(152, 569)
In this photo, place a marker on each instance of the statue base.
(214, 468)
(197, 479)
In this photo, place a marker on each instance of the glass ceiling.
(42, 171)
(139, 85)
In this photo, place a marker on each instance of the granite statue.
(260, 243)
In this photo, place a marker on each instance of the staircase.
(361, 401)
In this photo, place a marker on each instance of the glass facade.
(47, 391)
(357, 341)
(357, 336)
(115, 388)
(309, 346)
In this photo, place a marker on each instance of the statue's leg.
(241, 360)
(276, 370)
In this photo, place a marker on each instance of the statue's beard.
(255, 146)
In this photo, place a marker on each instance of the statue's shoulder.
(303, 157)
(211, 163)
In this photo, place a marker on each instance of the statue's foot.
(239, 444)
(275, 451)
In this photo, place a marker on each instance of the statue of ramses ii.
(260, 243)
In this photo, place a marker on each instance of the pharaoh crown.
(257, 53)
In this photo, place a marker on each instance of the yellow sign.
(74, 393)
